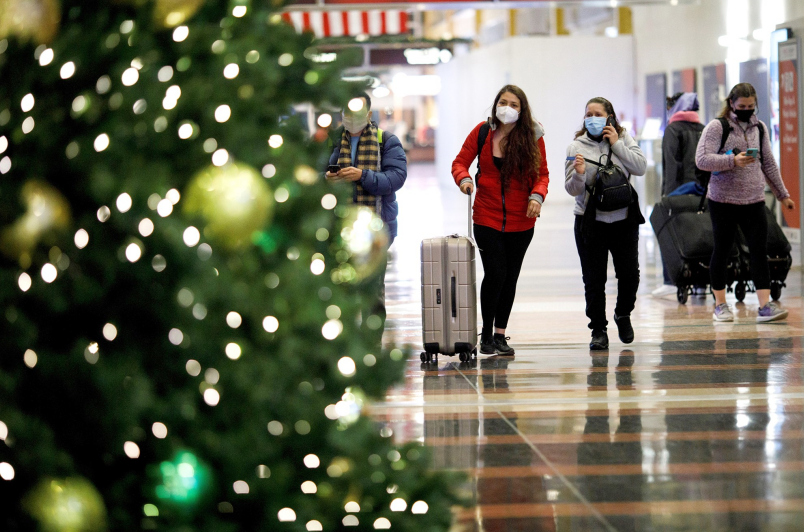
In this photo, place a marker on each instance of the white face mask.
(507, 115)
(355, 125)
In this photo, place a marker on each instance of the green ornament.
(364, 245)
(234, 200)
(183, 480)
(67, 505)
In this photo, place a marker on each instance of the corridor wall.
(669, 38)
(559, 75)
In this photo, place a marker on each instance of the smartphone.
(752, 152)
(333, 169)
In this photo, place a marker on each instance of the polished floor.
(693, 427)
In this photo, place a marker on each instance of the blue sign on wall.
(755, 72)
(714, 90)
(656, 97)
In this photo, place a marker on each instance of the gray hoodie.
(625, 154)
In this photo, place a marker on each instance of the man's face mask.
(355, 123)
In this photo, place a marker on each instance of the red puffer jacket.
(503, 210)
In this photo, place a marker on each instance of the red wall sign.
(788, 125)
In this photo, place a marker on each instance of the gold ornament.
(364, 245)
(36, 20)
(234, 200)
(169, 13)
(46, 211)
(172, 13)
(67, 505)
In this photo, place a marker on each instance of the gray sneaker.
(723, 313)
(771, 312)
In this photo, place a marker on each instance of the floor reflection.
(693, 427)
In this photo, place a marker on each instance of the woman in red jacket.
(511, 186)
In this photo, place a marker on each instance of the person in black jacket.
(678, 158)
(374, 164)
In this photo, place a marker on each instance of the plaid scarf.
(368, 158)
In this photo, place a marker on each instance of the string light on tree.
(115, 203)
(181, 33)
(46, 57)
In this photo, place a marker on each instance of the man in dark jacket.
(374, 164)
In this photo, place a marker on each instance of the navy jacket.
(385, 183)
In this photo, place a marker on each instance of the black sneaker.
(487, 344)
(600, 340)
(624, 328)
(501, 345)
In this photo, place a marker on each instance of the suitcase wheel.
(682, 294)
(424, 357)
(739, 291)
(776, 291)
(464, 357)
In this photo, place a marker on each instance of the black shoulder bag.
(612, 190)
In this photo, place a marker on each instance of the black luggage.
(779, 260)
(684, 231)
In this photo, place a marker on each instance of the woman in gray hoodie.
(614, 231)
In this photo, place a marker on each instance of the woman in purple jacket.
(737, 196)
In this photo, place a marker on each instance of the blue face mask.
(595, 125)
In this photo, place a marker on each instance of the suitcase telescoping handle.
(469, 229)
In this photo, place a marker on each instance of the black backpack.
(481, 141)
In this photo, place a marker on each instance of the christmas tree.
(181, 339)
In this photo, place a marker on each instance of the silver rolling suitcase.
(449, 296)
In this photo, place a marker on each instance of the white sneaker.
(664, 291)
(722, 313)
(771, 312)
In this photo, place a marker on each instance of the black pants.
(622, 240)
(666, 273)
(751, 219)
(502, 255)
(373, 303)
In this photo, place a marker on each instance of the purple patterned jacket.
(729, 182)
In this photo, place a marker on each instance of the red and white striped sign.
(341, 23)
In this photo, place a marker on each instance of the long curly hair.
(609, 108)
(522, 155)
